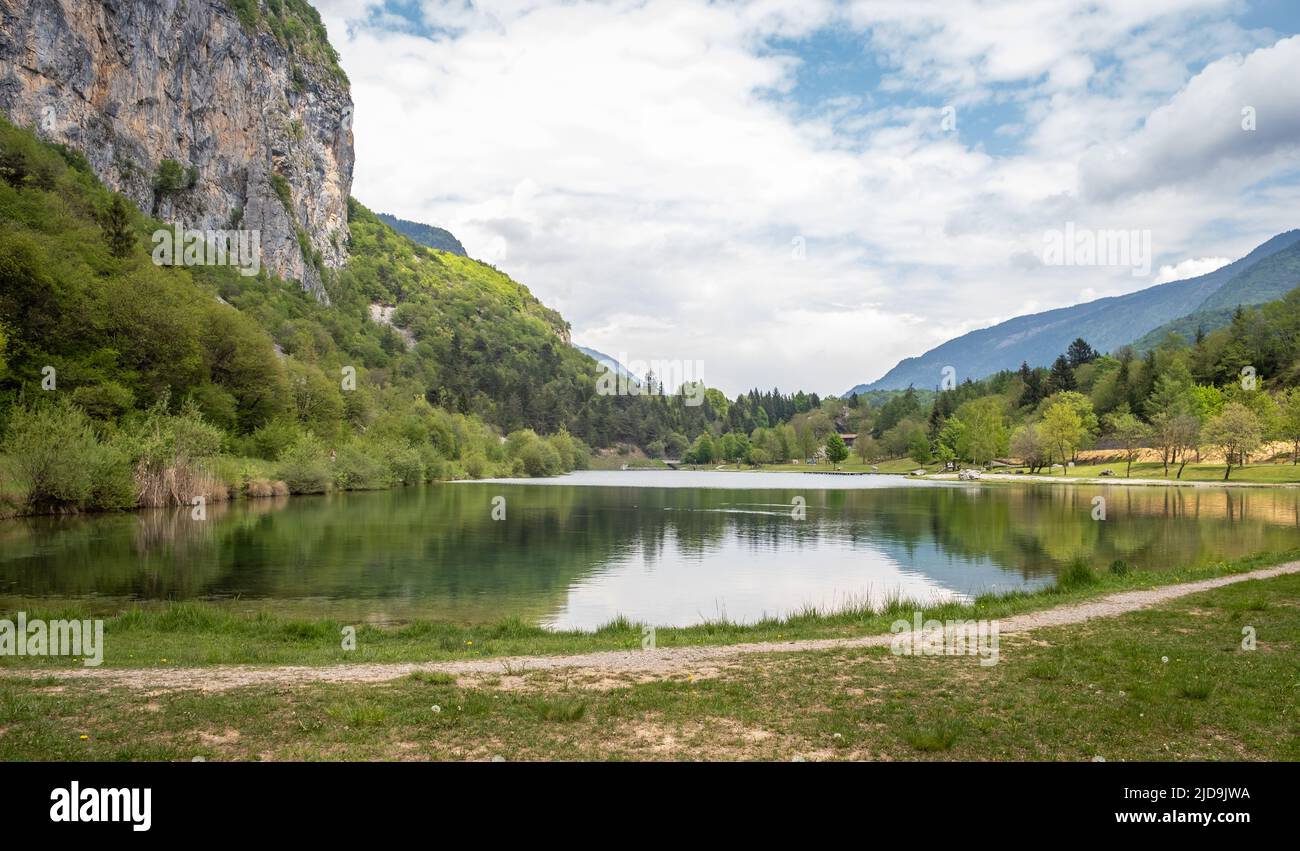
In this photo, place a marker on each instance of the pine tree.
(116, 225)
(1080, 353)
(1062, 377)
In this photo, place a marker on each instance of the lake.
(667, 548)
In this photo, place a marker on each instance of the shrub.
(541, 459)
(281, 188)
(272, 440)
(1078, 575)
(304, 466)
(566, 447)
(58, 462)
(1119, 567)
(174, 455)
(358, 467)
(106, 401)
(404, 463)
(475, 465)
(217, 405)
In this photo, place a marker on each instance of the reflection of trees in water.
(440, 541)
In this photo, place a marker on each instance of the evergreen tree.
(1062, 377)
(1080, 353)
(116, 226)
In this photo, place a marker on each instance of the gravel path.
(615, 663)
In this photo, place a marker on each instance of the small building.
(848, 439)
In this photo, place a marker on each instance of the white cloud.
(1193, 267)
(638, 167)
(1234, 121)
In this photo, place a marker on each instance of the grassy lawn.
(1274, 474)
(198, 633)
(1170, 683)
(1269, 473)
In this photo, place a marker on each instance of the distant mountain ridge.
(1268, 280)
(426, 235)
(609, 363)
(1106, 323)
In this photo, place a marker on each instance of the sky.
(799, 193)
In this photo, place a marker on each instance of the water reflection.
(577, 551)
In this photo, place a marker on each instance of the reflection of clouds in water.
(743, 583)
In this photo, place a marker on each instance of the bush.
(358, 467)
(217, 405)
(304, 466)
(405, 464)
(541, 459)
(106, 401)
(1078, 575)
(174, 456)
(59, 464)
(272, 440)
(475, 465)
(1119, 567)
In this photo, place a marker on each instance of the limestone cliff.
(250, 104)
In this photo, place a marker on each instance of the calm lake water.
(668, 548)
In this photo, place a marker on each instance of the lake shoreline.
(202, 633)
(1134, 687)
(998, 477)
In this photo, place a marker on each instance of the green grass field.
(1268, 473)
(1168, 683)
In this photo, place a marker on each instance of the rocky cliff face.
(262, 134)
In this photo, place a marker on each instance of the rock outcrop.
(259, 126)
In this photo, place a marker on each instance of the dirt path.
(617, 663)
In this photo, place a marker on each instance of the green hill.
(1106, 323)
(427, 235)
(1267, 280)
(439, 347)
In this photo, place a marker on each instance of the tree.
(1080, 353)
(702, 451)
(1062, 431)
(1062, 377)
(806, 440)
(1130, 433)
(1186, 433)
(116, 226)
(863, 444)
(1082, 406)
(836, 451)
(1027, 444)
(1288, 424)
(1236, 432)
(984, 433)
(1172, 402)
(951, 436)
(1033, 384)
(171, 177)
(918, 448)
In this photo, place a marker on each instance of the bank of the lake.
(148, 635)
(1140, 686)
